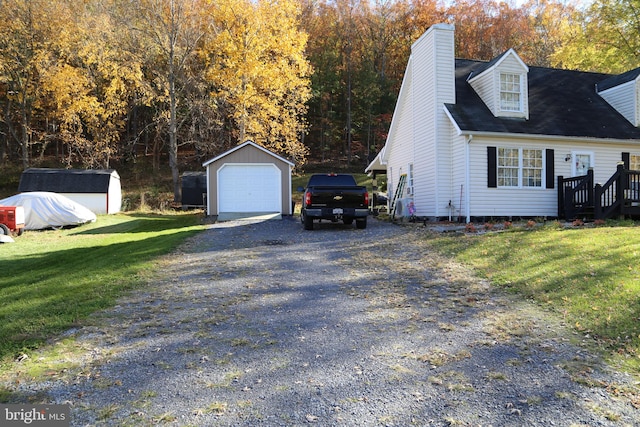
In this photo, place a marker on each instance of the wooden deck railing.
(575, 195)
(619, 196)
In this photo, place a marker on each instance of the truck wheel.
(361, 223)
(4, 230)
(308, 223)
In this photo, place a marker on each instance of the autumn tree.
(23, 40)
(88, 79)
(255, 64)
(66, 80)
(388, 28)
(605, 38)
(88, 84)
(168, 33)
(359, 53)
(548, 21)
(323, 50)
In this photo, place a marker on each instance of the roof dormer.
(622, 92)
(502, 85)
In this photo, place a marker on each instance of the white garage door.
(249, 188)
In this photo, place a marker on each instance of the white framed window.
(410, 177)
(520, 167)
(531, 168)
(634, 162)
(508, 167)
(510, 92)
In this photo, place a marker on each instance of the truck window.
(332, 180)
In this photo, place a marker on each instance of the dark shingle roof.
(618, 80)
(561, 103)
(65, 180)
(483, 66)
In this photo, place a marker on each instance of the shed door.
(249, 188)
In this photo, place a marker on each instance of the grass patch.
(590, 276)
(216, 408)
(52, 280)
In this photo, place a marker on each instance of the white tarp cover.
(46, 210)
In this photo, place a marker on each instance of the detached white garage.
(248, 179)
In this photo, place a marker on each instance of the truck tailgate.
(338, 196)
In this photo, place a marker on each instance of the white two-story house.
(480, 140)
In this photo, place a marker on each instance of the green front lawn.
(590, 276)
(52, 280)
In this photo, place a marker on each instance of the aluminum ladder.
(398, 193)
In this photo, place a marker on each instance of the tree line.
(94, 82)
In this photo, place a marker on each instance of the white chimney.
(432, 71)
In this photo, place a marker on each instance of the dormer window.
(502, 85)
(510, 92)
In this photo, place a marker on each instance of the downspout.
(467, 179)
(208, 190)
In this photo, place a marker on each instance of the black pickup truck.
(334, 197)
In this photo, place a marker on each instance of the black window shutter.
(626, 158)
(550, 164)
(492, 167)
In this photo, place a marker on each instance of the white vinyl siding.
(420, 128)
(457, 189)
(525, 201)
(624, 99)
(513, 67)
(509, 201)
(401, 152)
(445, 94)
(424, 53)
(484, 87)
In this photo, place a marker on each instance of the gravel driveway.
(263, 323)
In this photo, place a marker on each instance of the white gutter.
(504, 135)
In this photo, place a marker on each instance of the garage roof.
(208, 162)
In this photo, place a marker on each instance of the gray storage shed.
(248, 179)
